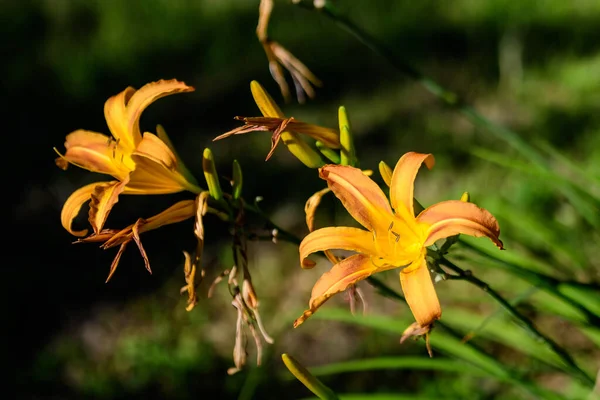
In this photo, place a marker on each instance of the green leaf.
(308, 379)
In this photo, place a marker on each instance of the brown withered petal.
(310, 208)
(111, 237)
(279, 57)
(415, 330)
(189, 270)
(103, 198)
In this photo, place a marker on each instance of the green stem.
(386, 291)
(525, 322)
(543, 282)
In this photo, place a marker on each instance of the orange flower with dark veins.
(393, 237)
(140, 164)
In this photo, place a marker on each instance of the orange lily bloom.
(393, 238)
(141, 164)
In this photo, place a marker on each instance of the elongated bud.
(308, 379)
(298, 147)
(237, 180)
(386, 172)
(331, 154)
(210, 173)
(466, 197)
(347, 156)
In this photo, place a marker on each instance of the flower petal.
(123, 111)
(344, 238)
(162, 135)
(310, 208)
(454, 216)
(157, 170)
(419, 292)
(104, 197)
(341, 275)
(97, 153)
(403, 179)
(363, 199)
(73, 205)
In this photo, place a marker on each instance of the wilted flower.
(286, 129)
(113, 237)
(279, 57)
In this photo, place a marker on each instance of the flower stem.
(525, 322)
(538, 280)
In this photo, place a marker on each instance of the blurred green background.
(532, 66)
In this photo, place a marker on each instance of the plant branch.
(525, 322)
(538, 280)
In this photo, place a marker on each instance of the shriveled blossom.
(284, 128)
(139, 164)
(280, 58)
(393, 236)
(178, 212)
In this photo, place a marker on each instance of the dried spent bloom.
(189, 270)
(393, 238)
(286, 129)
(113, 237)
(246, 306)
(141, 164)
(280, 58)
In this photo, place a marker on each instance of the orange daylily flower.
(393, 238)
(141, 164)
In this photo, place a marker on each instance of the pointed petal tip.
(307, 264)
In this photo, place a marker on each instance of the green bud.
(331, 154)
(210, 173)
(237, 180)
(347, 152)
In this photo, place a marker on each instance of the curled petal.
(341, 275)
(419, 293)
(452, 217)
(104, 197)
(123, 111)
(344, 238)
(73, 205)
(157, 170)
(363, 199)
(162, 135)
(403, 179)
(310, 208)
(97, 153)
(386, 172)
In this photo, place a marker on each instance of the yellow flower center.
(401, 243)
